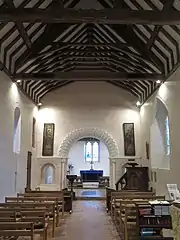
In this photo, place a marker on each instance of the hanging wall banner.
(48, 139)
(129, 141)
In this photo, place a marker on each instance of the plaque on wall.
(129, 141)
(48, 139)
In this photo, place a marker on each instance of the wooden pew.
(110, 193)
(40, 220)
(23, 198)
(6, 216)
(108, 198)
(60, 199)
(18, 229)
(116, 201)
(126, 195)
(67, 196)
(46, 207)
(126, 216)
(36, 216)
(127, 220)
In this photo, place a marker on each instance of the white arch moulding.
(98, 133)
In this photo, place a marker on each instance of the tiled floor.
(89, 221)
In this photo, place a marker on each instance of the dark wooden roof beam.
(128, 34)
(19, 25)
(167, 7)
(105, 16)
(80, 76)
(50, 34)
(61, 46)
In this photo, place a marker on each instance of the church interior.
(89, 127)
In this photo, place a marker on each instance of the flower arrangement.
(70, 168)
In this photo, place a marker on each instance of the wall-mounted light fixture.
(138, 103)
(158, 81)
(39, 104)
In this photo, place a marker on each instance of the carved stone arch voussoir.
(100, 134)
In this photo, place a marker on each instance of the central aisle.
(88, 221)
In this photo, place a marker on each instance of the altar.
(91, 175)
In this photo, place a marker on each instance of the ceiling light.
(138, 104)
(39, 104)
(158, 81)
(18, 81)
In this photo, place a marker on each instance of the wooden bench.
(46, 207)
(111, 194)
(126, 195)
(40, 220)
(67, 196)
(125, 216)
(108, 198)
(18, 229)
(6, 216)
(127, 220)
(34, 199)
(116, 201)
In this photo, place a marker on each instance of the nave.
(88, 221)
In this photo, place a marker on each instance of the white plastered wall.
(169, 94)
(10, 163)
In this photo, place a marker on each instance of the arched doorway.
(98, 133)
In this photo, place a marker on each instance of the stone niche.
(58, 166)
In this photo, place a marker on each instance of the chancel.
(90, 159)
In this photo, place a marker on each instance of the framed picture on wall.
(129, 140)
(48, 139)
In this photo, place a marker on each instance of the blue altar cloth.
(91, 175)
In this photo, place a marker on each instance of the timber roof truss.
(47, 44)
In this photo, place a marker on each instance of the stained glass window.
(88, 151)
(167, 136)
(91, 151)
(95, 151)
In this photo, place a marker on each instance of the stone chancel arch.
(100, 134)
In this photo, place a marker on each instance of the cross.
(91, 165)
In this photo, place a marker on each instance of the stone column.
(112, 172)
(63, 172)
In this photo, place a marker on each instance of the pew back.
(110, 193)
(65, 195)
(17, 229)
